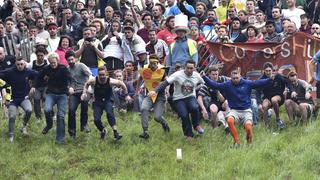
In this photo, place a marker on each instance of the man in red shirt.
(166, 33)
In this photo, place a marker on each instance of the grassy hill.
(292, 154)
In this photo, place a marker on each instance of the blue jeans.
(98, 108)
(61, 101)
(74, 102)
(184, 107)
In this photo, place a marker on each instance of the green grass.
(292, 154)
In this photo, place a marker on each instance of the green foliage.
(291, 154)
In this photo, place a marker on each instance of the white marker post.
(179, 154)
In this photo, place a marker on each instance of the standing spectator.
(134, 47)
(54, 39)
(8, 41)
(183, 48)
(315, 73)
(111, 44)
(173, 8)
(267, 7)
(222, 10)
(305, 24)
(293, 13)
(315, 30)
(271, 35)
(6, 9)
(58, 79)
(166, 34)
(201, 9)
(65, 44)
(80, 74)
(235, 34)
(157, 12)
(276, 17)
(208, 26)
(157, 47)
(119, 94)
(252, 34)
(108, 18)
(18, 78)
(100, 30)
(148, 24)
(89, 51)
(41, 24)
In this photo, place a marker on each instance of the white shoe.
(11, 139)
(24, 130)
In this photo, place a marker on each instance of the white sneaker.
(24, 130)
(11, 138)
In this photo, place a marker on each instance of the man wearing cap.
(271, 35)
(183, 48)
(134, 47)
(299, 101)
(152, 76)
(315, 73)
(53, 40)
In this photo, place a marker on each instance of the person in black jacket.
(58, 79)
(18, 78)
(6, 9)
(273, 94)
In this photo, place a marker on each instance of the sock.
(233, 129)
(249, 132)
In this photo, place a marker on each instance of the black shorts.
(281, 101)
(318, 89)
(113, 64)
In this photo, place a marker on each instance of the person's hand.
(202, 73)
(84, 97)
(152, 94)
(205, 114)
(32, 91)
(294, 94)
(308, 95)
(116, 33)
(311, 80)
(71, 91)
(129, 99)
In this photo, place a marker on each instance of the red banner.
(295, 52)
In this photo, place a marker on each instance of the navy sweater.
(19, 81)
(238, 96)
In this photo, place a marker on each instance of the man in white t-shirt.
(293, 13)
(184, 97)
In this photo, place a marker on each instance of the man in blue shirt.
(315, 72)
(238, 94)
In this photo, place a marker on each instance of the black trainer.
(166, 127)
(144, 135)
(103, 134)
(117, 135)
(45, 130)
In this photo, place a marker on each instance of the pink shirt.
(61, 52)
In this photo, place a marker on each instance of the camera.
(89, 39)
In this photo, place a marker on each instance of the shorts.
(241, 116)
(281, 101)
(113, 64)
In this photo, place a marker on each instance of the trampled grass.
(292, 154)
